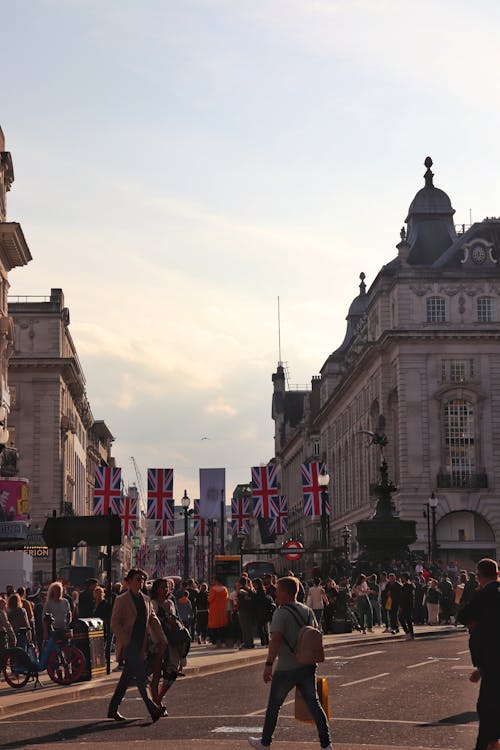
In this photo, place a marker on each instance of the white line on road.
(365, 679)
(463, 652)
(361, 656)
(421, 663)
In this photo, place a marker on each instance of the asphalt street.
(406, 693)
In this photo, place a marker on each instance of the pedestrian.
(185, 609)
(360, 593)
(374, 596)
(57, 606)
(5, 626)
(264, 607)
(393, 590)
(432, 599)
(202, 613)
(218, 597)
(102, 610)
(482, 617)
(406, 605)
(383, 591)
(86, 601)
(133, 617)
(446, 588)
(167, 665)
(316, 599)
(289, 673)
(246, 612)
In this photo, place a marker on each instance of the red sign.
(293, 550)
(14, 500)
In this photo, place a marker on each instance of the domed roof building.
(422, 350)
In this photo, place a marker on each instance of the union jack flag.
(265, 491)
(161, 500)
(107, 490)
(313, 491)
(240, 515)
(128, 515)
(279, 524)
(200, 524)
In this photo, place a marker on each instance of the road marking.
(368, 653)
(365, 679)
(420, 664)
(237, 730)
(463, 652)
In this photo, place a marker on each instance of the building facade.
(422, 348)
(59, 442)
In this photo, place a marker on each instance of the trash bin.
(88, 636)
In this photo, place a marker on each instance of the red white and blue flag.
(313, 491)
(265, 491)
(279, 524)
(240, 515)
(200, 524)
(161, 562)
(128, 515)
(161, 500)
(107, 490)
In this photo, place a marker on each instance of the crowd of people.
(153, 623)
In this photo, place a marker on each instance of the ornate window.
(459, 441)
(457, 370)
(436, 310)
(486, 309)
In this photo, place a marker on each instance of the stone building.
(59, 442)
(14, 252)
(422, 347)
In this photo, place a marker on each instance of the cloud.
(220, 406)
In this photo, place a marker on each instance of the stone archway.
(464, 537)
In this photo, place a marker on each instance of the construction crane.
(140, 485)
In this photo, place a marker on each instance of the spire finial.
(362, 286)
(428, 175)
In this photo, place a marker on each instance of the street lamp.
(346, 536)
(433, 503)
(186, 512)
(323, 481)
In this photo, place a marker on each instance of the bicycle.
(64, 663)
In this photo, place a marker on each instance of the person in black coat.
(394, 589)
(406, 605)
(482, 617)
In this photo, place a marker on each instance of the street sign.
(292, 550)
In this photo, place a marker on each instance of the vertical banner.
(212, 492)
(107, 490)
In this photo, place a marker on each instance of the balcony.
(462, 481)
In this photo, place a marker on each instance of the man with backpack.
(297, 644)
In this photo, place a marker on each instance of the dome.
(431, 200)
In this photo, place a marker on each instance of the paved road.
(405, 693)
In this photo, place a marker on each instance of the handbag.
(302, 712)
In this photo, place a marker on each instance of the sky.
(179, 164)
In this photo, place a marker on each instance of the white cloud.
(220, 406)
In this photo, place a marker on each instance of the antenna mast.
(279, 334)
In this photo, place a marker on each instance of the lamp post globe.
(185, 502)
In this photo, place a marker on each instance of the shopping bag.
(301, 710)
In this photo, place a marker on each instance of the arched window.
(436, 310)
(459, 441)
(486, 309)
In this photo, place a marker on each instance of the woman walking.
(361, 592)
(218, 598)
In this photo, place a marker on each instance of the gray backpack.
(309, 645)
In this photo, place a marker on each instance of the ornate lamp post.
(323, 481)
(432, 504)
(346, 536)
(186, 512)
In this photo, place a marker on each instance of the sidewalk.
(201, 660)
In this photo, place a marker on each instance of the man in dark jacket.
(406, 605)
(482, 617)
(86, 601)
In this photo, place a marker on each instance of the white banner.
(212, 492)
